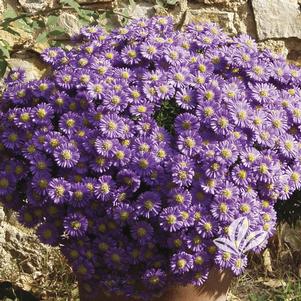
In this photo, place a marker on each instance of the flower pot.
(214, 289)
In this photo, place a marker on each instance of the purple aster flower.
(155, 278)
(123, 213)
(111, 126)
(170, 219)
(206, 226)
(59, 190)
(148, 204)
(181, 263)
(128, 179)
(75, 224)
(80, 195)
(48, 234)
(180, 197)
(15, 76)
(66, 155)
(52, 55)
(142, 232)
(186, 98)
(263, 93)
(104, 188)
(143, 164)
(83, 269)
(42, 114)
(7, 183)
(65, 78)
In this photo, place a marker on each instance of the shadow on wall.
(7, 290)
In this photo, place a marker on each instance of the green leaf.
(38, 24)
(22, 24)
(57, 31)
(85, 14)
(9, 12)
(5, 51)
(51, 20)
(3, 65)
(42, 37)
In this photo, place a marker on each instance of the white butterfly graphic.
(239, 241)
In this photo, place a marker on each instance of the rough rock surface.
(70, 23)
(277, 18)
(1, 6)
(223, 18)
(29, 264)
(33, 6)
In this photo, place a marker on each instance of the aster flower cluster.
(144, 145)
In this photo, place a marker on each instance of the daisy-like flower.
(186, 98)
(48, 234)
(208, 93)
(143, 164)
(128, 179)
(222, 210)
(15, 76)
(130, 55)
(39, 164)
(142, 232)
(181, 262)
(182, 176)
(288, 146)
(189, 143)
(75, 224)
(65, 78)
(170, 219)
(222, 123)
(104, 188)
(80, 195)
(104, 146)
(69, 123)
(206, 226)
(180, 197)
(123, 213)
(240, 113)
(59, 190)
(186, 122)
(155, 278)
(148, 204)
(263, 93)
(95, 90)
(294, 174)
(7, 183)
(111, 126)
(66, 155)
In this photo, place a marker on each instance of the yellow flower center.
(181, 263)
(59, 190)
(171, 219)
(143, 163)
(66, 154)
(141, 232)
(190, 142)
(4, 183)
(223, 207)
(75, 225)
(47, 234)
(148, 205)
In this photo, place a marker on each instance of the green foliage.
(167, 113)
(289, 211)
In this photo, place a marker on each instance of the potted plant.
(153, 157)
